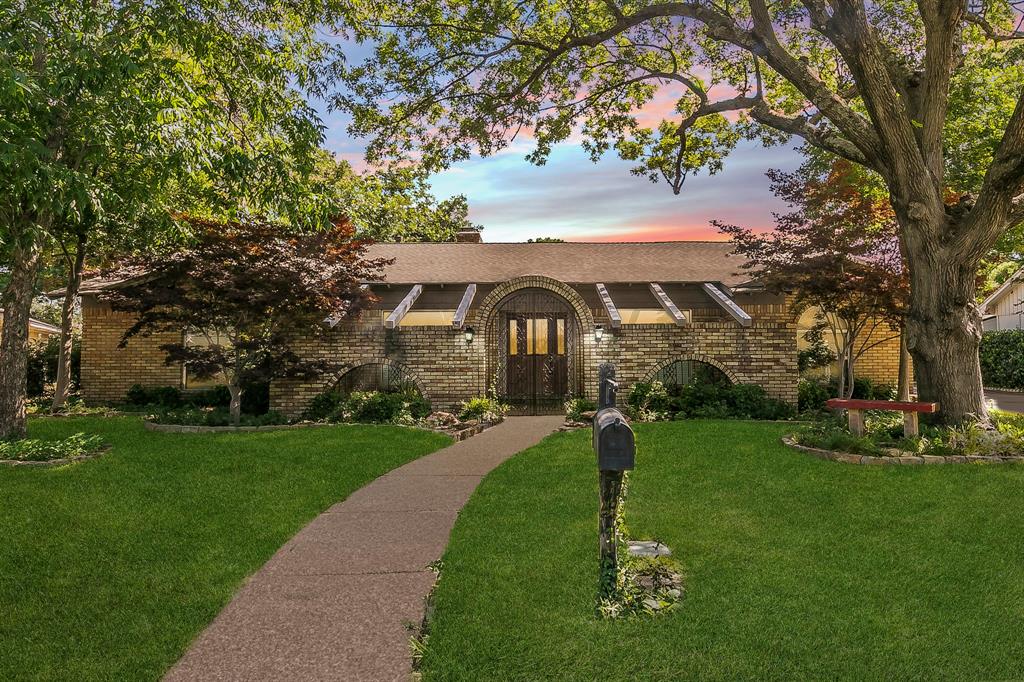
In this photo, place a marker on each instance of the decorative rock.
(442, 419)
(848, 458)
(652, 603)
(588, 415)
(904, 457)
(648, 548)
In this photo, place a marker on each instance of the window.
(540, 335)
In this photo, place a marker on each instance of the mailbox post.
(615, 448)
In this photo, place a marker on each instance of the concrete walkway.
(335, 602)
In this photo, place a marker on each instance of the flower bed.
(884, 442)
(32, 452)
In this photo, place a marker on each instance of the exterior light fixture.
(469, 334)
(598, 333)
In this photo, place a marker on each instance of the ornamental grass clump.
(33, 450)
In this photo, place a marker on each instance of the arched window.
(376, 376)
(686, 372)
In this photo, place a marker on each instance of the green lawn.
(795, 568)
(109, 568)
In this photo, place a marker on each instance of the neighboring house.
(1004, 307)
(528, 322)
(37, 329)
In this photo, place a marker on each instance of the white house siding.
(1008, 310)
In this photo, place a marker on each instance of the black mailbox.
(613, 441)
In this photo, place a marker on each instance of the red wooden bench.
(855, 412)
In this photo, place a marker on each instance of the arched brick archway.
(694, 358)
(503, 290)
(397, 367)
(557, 376)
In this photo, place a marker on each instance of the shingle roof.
(576, 262)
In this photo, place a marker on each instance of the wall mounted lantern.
(598, 333)
(469, 334)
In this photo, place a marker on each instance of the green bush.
(216, 416)
(31, 450)
(651, 401)
(812, 393)
(1002, 359)
(372, 407)
(42, 366)
(484, 408)
(255, 398)
(324, 407)
(575, 407)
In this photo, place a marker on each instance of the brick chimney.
(469, 236)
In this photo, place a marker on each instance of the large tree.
(244, 296)
(106, 105)
(392, 204)
(928, 94)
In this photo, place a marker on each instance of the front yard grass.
(795, 568)
(109, 568)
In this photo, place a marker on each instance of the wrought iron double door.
(537, 367)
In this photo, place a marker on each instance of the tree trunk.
(236, 403)
(17, 304)
(943, 332)
(67, 312)
(903, 380)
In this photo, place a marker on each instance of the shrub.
(31, 450)
(255, 398)
(324, 407)
(575, 407)
(484, 408)
(654, 401)
(648, 401)
(1002, 359)
(163, 396)
(372, 407)
(216, 416)
(42, 365)
(811, 395)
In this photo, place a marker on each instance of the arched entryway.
(537, 354)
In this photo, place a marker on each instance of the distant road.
(1007, 401)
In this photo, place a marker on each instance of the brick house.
(529, 321)
(37, 329)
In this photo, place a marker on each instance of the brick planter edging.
(850, 458)
(55, 462)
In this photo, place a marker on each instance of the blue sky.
(575, 199)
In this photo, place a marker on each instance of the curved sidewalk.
(335, 602)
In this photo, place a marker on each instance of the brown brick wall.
(108, 371)
(881, 362)
(448, 370)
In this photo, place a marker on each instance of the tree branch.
(991, 31)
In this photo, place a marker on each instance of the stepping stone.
(648, 548)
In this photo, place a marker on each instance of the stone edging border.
(850, 458)
(55, 462)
